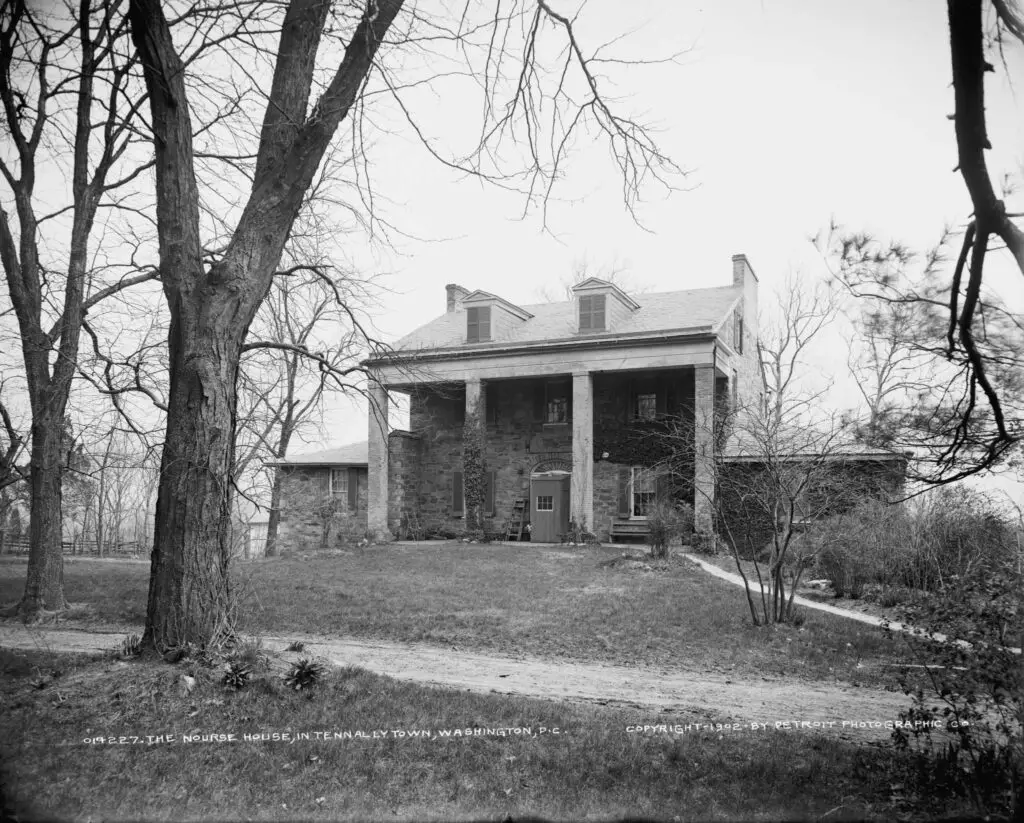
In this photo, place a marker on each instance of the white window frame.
(549, 498)
(643, 473)
(333, 488)
(652, 412)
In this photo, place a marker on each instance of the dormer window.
(478, 324)
(602, 306)
(592, 316)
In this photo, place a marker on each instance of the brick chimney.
(456, 293)
(741, 270)
(743, 277)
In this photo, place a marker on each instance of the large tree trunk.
(189, 597)
(189, 592)
(44, 586)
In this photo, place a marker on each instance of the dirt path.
(662, 696)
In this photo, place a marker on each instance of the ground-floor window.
(339, 482)
(643, 488)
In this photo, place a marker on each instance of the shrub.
(705, 542)
(666, 522)
(973, 691)
(844, 571)
(578, 535)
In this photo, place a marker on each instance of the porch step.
(629, 529)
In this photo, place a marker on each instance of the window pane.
(339, 482)
(485, 322)
(646, 406)
(597, 321)
(472, 325)
(558, 410)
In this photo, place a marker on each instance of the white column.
(581, 490)
(703, 448)
(475, 397)
(377, 465)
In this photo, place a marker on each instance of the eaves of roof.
(567, 344)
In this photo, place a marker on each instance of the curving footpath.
(657, 695)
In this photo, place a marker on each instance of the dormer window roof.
(599, 304)
(488, 316)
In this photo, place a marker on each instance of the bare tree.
(977, 425)
(802, 312)
(47, 61)
(921, 397)
(779, 461)
(306, 342)
(213, 302)
(890, 370)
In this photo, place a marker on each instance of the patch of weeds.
(304, 675)
(250, 653)
(236, 675)
(131, 646)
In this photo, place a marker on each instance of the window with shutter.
(592, 312)
(353, 489)
(490, 479)
(478, 324)
(458, 507)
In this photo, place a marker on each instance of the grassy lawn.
(593, 766)
(551, 602)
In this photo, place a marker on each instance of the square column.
(377, 465)
(704, 448)
(475, 397)
(581, 489)
(473, 442)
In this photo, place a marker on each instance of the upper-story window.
(478, 324)
(592, 317)
(646, 406)
(737, 332)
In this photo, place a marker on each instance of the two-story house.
(554, 386)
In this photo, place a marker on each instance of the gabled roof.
(354, 454)
(595, 283)
(696, 310)
(479, 296)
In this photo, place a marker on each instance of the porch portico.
(534, 408)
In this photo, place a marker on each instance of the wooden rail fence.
(73, 548)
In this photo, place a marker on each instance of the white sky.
(789, 113)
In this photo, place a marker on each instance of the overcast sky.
(788, 112)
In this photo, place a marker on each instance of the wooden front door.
(549, 508)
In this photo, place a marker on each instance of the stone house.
(565, 395)
(323, 498)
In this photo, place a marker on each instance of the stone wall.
(404, 472)
(310, 517)
(516, 441)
